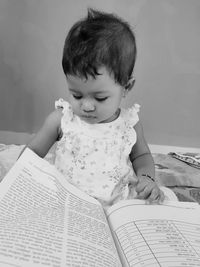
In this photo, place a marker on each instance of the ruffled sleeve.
(64, 105)
(132, 115)
(130, 120)
(66, 110)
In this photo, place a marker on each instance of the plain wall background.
(32, 34)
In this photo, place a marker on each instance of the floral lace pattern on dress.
(95, 157)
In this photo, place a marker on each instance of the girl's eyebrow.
(101, 92)
(74, 90)
(94, 93)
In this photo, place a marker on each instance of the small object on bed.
(192, 159)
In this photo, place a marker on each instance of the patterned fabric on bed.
(183, 179)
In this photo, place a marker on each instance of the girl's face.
(95, 100)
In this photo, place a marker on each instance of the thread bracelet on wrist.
(148, 176)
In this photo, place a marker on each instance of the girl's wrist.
(148, 176)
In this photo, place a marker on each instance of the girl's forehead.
(102, 76)
(101, 83)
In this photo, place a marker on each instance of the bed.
(182, 178)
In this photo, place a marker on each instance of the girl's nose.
(88, 105)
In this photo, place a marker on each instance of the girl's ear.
(130, 83)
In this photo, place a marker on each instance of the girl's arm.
(140, 156)
(143, 165)
(47, 135)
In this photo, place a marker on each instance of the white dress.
(95, 157)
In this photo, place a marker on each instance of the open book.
(46, 221)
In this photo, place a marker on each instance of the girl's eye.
(77, 96)
(101, 99)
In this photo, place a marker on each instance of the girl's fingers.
(157, 196)
(154, 196)
(162, 197)
(143, 194)
(140, 187)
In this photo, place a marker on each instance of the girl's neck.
(113, 117)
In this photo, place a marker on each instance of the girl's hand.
(149, 190)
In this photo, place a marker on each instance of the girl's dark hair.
(100, 40)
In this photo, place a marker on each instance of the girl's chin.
(90, 119)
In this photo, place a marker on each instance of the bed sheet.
(183, 179)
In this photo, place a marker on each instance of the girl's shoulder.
(52, 123)
(53, 120)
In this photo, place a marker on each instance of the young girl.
(101, 148)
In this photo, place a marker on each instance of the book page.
(165, 235)
(45, 221)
